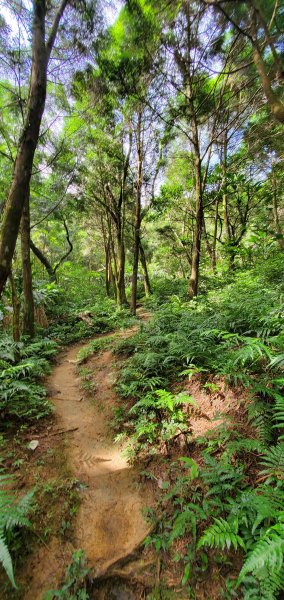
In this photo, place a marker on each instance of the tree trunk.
(22, 171)
(228, 237)
(194, 276)
(214, 244)
(207, 241)
(120, 266)
(275, 210)
(28, 299)
(16, 308)
(112, 279)
(225, 193)
(147, 284)
(107, 257)
(113, 270)
(107, 273)
(137, 221)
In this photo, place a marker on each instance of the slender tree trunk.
(194, 276)
(228, 236)
(107, 257)
(16, 308)
(29, 137)
(137, 221)
(120, 279)
(107, 268)
(208, 245)
(113, 263)
(275, 210)
(215, 232)
(112, 248)
(112, 279)
(225, 194)
(147, 284)
(28, 299)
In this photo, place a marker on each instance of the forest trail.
(109, 524)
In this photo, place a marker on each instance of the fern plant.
(21, 394)
(265, 562)
(221, 534)
(273, 462)
(13, 513)
(159, 416)
(278, 411)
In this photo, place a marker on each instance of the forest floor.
(108, 522)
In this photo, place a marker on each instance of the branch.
(54, 28)
(44, 261)
(70, 247)
(219, 6)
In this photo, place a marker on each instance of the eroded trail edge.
(109, 523)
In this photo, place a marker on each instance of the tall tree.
(43, 40)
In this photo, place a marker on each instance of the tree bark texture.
(147, 283)
(194, 275)
(137, 220)
(16, 308)
(28, 299)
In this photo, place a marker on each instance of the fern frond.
(273, 461)
(277, 362)
(260, 416)
(5, 559)
(278, 413)
(221, 534)
(266, 554)
(16, 515)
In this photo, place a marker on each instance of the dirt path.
(109, 523)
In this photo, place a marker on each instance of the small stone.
(33, 444)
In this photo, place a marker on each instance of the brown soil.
(109, 523)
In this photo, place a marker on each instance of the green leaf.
(5, 559)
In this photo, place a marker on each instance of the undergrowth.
(22, 365)
(75, 584)
(225, 506)
(71, 324)
(13, 514)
